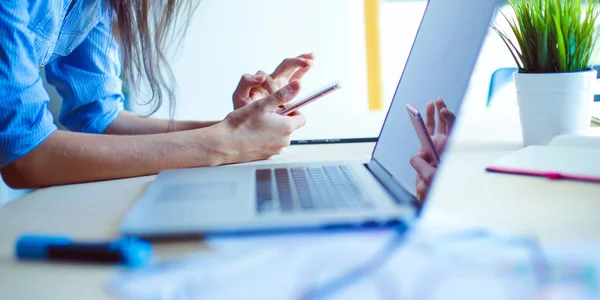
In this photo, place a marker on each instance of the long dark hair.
(144, 29)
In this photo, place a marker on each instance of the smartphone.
(290, 108)
(421, 130)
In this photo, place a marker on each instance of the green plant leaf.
(551, 35)
(511, 47)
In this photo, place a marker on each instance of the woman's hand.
(254, 87)
(424, 162)
(256, 132)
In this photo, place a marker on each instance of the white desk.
(554, 211)
(93, 211)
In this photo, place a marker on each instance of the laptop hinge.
(399, 193)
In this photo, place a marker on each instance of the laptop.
(280, 197)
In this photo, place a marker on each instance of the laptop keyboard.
(314, 188)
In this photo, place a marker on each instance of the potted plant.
(552, 43)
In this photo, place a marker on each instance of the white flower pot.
(554, 103)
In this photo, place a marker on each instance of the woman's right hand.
(256, 132)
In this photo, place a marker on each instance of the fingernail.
(259, 77)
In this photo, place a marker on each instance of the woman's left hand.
(261, 85)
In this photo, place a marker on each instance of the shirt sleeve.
(25, 121)
(88, 81)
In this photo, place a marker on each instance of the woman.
(424, 163)
(80, 44)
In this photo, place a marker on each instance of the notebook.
(565, 157)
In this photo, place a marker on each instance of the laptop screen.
(439, 66)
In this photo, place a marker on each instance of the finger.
(310, 56)
(419, 194)
(440, 142)
(422, 189)
(297, 121)
(449, 117)
(427, 156)
(282, 96)
(425, 170)
(439, 103)
(302, 71)
(299, 74)
(269, 85)
(430, 118)
(289, 66)
(442, 125)
(247, 82)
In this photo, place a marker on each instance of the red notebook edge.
(547, 174)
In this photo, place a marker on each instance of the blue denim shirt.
(80, 57)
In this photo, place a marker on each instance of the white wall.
(228, 38)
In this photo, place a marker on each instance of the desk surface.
(94, 211)
(554, 211)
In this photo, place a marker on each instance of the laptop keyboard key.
(264, 191)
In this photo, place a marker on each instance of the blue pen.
(129, 252)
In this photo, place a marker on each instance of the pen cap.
(134, 252)
(36, 247)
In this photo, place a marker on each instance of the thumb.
(423, 169)
(282, 96)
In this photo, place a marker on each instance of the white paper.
(466, 264)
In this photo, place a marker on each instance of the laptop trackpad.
(211, 191)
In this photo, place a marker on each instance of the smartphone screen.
(310, 98)
(421, 131)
